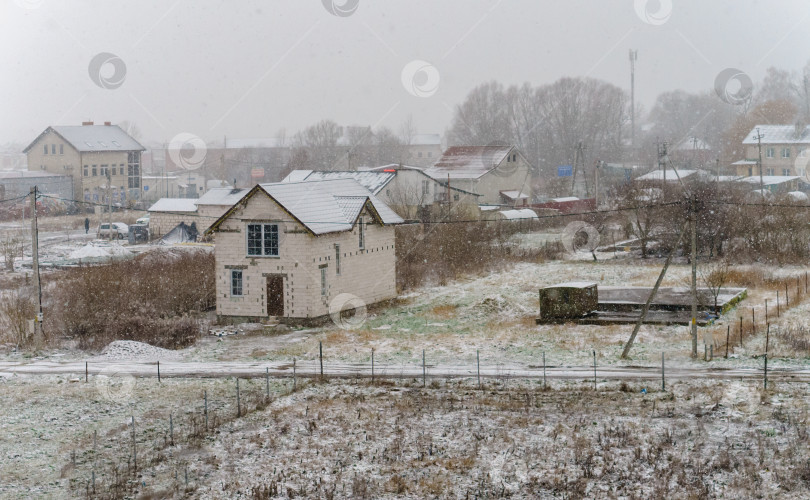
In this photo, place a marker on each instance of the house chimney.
(108, 123)
(87, 123)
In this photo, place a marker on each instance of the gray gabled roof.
(374, 181)
(778, 134)
(321, 206)
(85, 138)
(174, 205)
(468, 162)
(222, 196)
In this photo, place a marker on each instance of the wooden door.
(275, 295)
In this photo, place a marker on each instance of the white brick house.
(289, 249)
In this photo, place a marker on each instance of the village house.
(407, 190)
(101, 159)
(289, 249)
(499, 174)
(784, 151)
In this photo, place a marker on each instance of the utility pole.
(633, 59)
(109, 203)
(662, 164)
(759, 163)
(38, 340)
(597, 164)
(693, 220)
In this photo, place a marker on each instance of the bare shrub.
(16, 310)
(146, 299)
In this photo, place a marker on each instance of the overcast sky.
(249, 68)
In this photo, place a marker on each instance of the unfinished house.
(287, 250)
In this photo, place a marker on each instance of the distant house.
(668, 176)
(776, 184)
(293, 249)
(424, 149)
(499, 174)
(16, 183)
(406, 189)
(784, 151)
(101, 159)
(166, 213)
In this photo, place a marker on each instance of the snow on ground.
(131, 350)
(99, 250)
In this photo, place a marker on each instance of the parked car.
(143, 220)
(119, 230)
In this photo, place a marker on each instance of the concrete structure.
(489, 171)
(183, 184)
(167, 213)
(297, 250)
(101, 159)
(406, 189)
(785, 150)
(568, 300)
(16, 183)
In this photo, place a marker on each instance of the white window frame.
(240, 280)
(263, 252)
(785, 152)
(770, 152)
(785, 171)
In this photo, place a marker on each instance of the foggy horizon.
(251, 69)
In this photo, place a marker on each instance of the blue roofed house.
(293, 250)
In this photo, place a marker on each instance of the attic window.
(102, 144)
(115, 143)
(89, 144)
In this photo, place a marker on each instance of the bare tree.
(715, 276)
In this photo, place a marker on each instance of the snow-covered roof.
(467, 162)
(392, 166)
(222, 196)
(565, 199)
(374, 181)
(523, 213)
(426, 140)
(488, 208)
(745, 162)
(94, 138)
(174, 205)
(297, 175)
(728, 178)
(770, 180)
(778, 134)
(322, 206)
(515, 195)
(798, 196)
(671, 176)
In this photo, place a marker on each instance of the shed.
(568, 300)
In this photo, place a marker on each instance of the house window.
(104, 171)
(750, 171)
(337, 260)
(94, 171)
(262, 240)
(420, 154)
(425, 187)
(785, 152)
(121, 169)
(430, 154)
(455, 197)
(45, 149)
(769, 172)
(61, 149)
(361, 234)
(323, 281)
(785, 171)
(86, 170)
(236, 283)
(514, 157)
(769, 152)
(53, 149)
